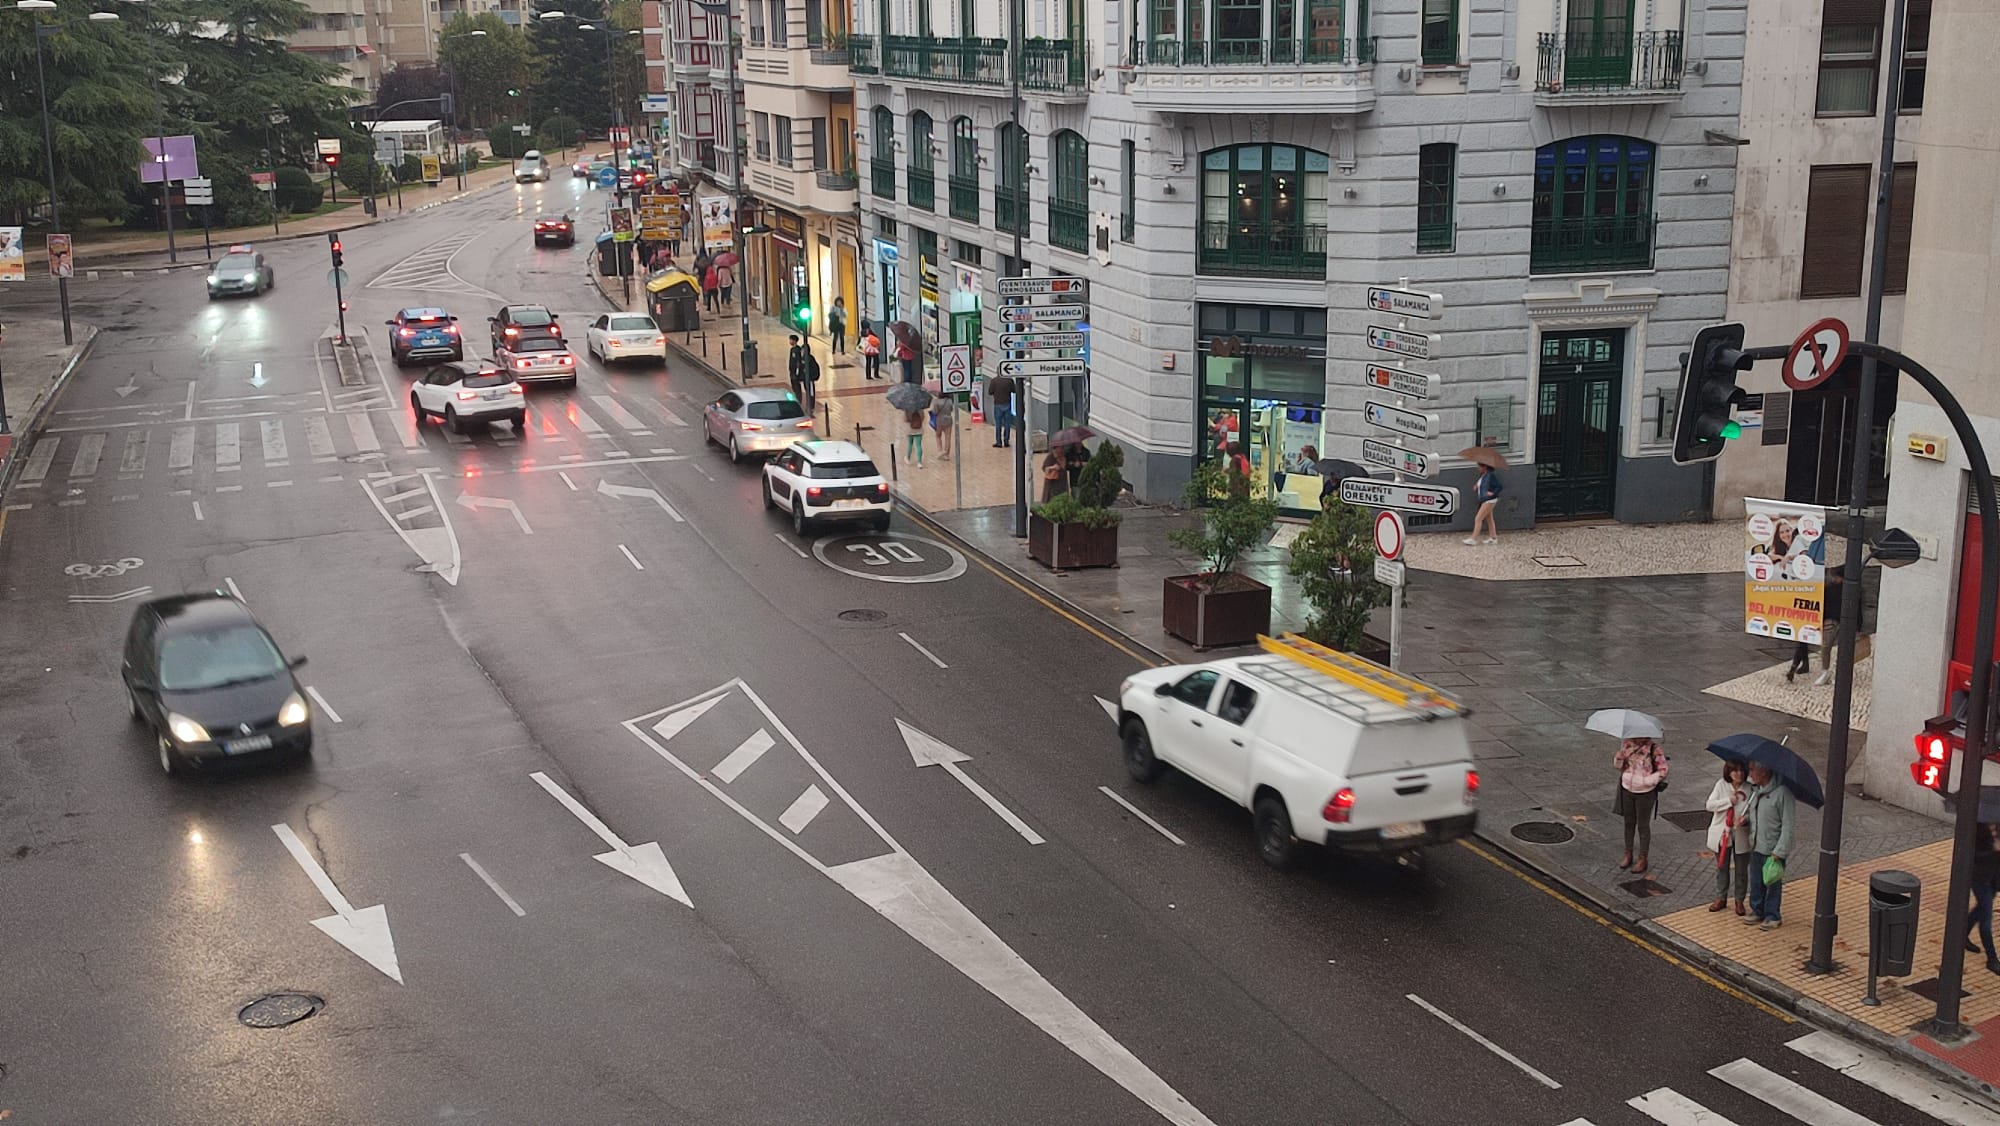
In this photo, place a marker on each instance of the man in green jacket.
(1772, 811)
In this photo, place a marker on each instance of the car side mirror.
(296, 663)
(391, 323)
(1163, 689)
(453, 320)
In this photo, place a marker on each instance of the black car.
(211, 684)
(522, 322)
(551, 231)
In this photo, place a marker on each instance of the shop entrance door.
(1576, 423)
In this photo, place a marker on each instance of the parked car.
(522, 322)
(625, 336)
(210, 684)
(827, 481)
(552, 231)
(467, 393)
(538, 359)
(241, 270)
(755, 420)
(1323, 747)
(532, 166)
(424, 334)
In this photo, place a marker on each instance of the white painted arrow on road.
(130, 385)
(365, 932)
(611, 490)
(645, 863)
(1110, 708)
(927, 751)
(257, 375)
(467, 500)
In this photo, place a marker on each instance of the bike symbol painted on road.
(103, 570)
(889, 557)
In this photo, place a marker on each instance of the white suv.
(827, 481)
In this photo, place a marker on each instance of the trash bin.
(1892, 921)
(614, 258)
(674, 299)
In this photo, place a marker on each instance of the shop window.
(1069, 192)
(1263, 212)
(1262, 388)
(1593, 207)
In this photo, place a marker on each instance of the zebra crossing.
(429, 269)
(1752, 1094)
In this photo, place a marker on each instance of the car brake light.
(515, 389)
(753, 426)
(427, 320)
(1471, 784)
(1339, 807)
(882, 489)
(805, 424)
(616, 343)
(557, 329)
(408, 332)
(465, 394)
(522, 364)
(453, 329)
(813, 490)
(659, 340)
(569, 359)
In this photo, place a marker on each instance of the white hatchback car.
(826, 480)
(538, 360)
(625, 336)
(466, 392)
(755, 420)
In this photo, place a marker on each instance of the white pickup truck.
(1323, 747)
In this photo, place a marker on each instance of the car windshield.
(487, 379)
(192, 662)
(837, 470)
(633, 324)
(532, 317)
(538, 344)
(236, 264)
(775, 409)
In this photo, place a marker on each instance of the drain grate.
(276, 1010)
(863, 615)
(1645, 888)
(1543, 832)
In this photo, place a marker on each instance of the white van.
(532, 166)
(1323, 747)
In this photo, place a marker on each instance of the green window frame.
(1010, 178)
(964, 186)
(1128, 191)
(1263, 212)
(1593, 206)
(882, 160)
(1437, 190)
(922, 171)
(1069, 191)
(1439, 32)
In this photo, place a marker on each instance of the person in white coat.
(1729, 836)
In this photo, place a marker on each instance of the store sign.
(1237, 346)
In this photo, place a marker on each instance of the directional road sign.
(1410, 463)
(1413, 384)
(1815, 354)
(1026, 341)
(607, 177)
(329, 146)
(1406, 302)
(1370, 493)
(1030, 287)
(1045, 314)
(1414, 345)
(1042, 367)
(956, 373)
(1415, 424)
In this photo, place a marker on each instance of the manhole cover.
(1645, 888)
(280, 1009)
(1543, 832)
(863, 615)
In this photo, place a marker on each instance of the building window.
(1069, 191)
(1902, 208)
(760, 128)
(1437, 167)
(780, 25)
(756, 21)
(1263, 212)
(923, 167)
(1850, 43)
(964, 170)
(969, 253)
(1440, 33)
(1593, 206)
(1010, 179)
(1836, 243)
(1916, 55)
(1128, 191)
(882, 158)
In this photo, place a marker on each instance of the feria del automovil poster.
(1784, 570)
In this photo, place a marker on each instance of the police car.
(241, 270)
(424, 334)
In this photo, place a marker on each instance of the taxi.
(240, 270)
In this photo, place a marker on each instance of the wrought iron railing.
(1271, 250)
(862, 56)
(965, 198)
(1254, 52)
(838, 181)
(1052, 64)
(1591, 242)
(1584, 62)
(969, 62)
(1010, 208)
(1069, 225)
(882, 177)
(923, 188)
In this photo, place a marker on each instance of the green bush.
(559, 132)
(411, 170)
(297, 192)
(1232, 520)
(505, 142)
(1100, 482)
(1334, 561)
(1066, 508)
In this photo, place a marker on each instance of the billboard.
(61, 263)
(718, 222)
(13, 267)
(177, 163)
(1784, 570)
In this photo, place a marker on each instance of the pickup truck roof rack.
(1354, 673)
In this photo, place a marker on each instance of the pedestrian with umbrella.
(911, 400)
(1729, 834)
(909, 345)
(1779, 780)
(1486, 490)
(1642, 777)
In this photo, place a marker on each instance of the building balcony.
(829, 49)
(1587, 69)
(1591, 242)
(965, 199)
(947, 62)
(835, 180)
(1069, 226)
(1054, 66)
(923, 188)
(1236, 75)
(1010, 209)
(1262, 250)
(882, 178)
(862, 55)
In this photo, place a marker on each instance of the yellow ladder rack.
(1382, 683)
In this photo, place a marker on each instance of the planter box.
(1065, 547)
(1233, 613)
(1373, 648)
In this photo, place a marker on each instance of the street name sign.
(1370, 493)
(1816, 354)
(1415, 424)
(1023, 368)
(1022, 341)
(1405, 302)
(955, 372)
(1412, 463)
(1045, 314)
(1035, 287)
(1413, 384)
(1412, 345)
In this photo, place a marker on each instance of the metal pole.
(271, 162)
(457, 157)
(1826, 920)
(49, 149)
(1021, 386)
(736, 162)
(3, 400)
(1395, 624)
(160, 132)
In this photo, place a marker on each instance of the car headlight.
(1124, 686)
(294, 712)
(185, 729)
(213, 278)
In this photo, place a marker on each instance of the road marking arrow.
(611, 490)
(364, 932)
(467, 500)
(257, 375)
(130, 385)
(1110, 708)
(644, 863)
(927, 751)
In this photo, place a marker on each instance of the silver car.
(755, 420)
(242, 270)
(540, 360)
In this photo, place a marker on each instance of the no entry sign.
(1388, 535)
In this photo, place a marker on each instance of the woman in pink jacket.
(1642, 774)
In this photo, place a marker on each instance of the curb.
(699, 364)
(38, 413)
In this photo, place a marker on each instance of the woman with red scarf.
(1729, 836)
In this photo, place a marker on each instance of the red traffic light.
(331, 158)
(1929, 775)
(1941, 738)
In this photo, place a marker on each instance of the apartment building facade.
(1232, 176)
(347, 33)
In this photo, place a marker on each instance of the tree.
(100, 106)
(411, 82)
(1232, 520)
(1334, 561)
(569, 65)
(491, 71)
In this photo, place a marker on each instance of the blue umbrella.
(1779, 759)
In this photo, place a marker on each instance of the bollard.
(1892, 926)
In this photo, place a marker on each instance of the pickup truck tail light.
(1339, 807)
(1471, 785)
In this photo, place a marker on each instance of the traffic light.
(1942, 737)
(639, 178)
(1709, 393)
(333, 243)
(332, 159)
(802, 313)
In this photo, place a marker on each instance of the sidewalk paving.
(34, 362)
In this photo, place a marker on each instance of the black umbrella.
(1071, 436)
(1780, 760)
(1336, 469)
(908, 397)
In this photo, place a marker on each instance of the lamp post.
(736, 162)
(451, 76)
(46, 31)
(272, 118)
(160, 138)
(611, 36)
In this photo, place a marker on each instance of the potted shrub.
(1078, 528)
(1334, 561)
(1219, 606)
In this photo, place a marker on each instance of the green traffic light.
(803, 314)
(1732, 430)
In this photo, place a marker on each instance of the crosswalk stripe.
(228, 446)
(406, 494)
(1671, 1108)
(180, 448)
(274, 441)
(1768, 1086)
(363, 433)
(583, 421)
(132, 459)
(1904, 1083)
(1579, 1122)
(38, 461)
(319, 439)
(667, 413)
(89, 450)
(803, 809)
(618, 413)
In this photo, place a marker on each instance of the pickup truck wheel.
(1139, 760)
(1275, 842)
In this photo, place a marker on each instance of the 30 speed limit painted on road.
(890, 557)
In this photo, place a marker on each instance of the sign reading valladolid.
(1784, 570)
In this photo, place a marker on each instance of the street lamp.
(45, 31)
(451, 75)
(160, 134)
(736, 162)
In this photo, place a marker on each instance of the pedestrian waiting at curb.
(1642, 774)
(870, 347)
(1772, 810)
(944, 420)
(1729, 835)
(1985, 876)
(913, 446)
(836, 325)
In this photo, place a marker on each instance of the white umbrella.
(1624, 723)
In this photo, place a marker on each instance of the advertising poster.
(61, 265)
(13, 267)
(1784, 570)
(718, 222)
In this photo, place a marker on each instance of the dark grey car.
(209, 682)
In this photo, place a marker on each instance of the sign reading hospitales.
(1415, 424)
(1405, 302)
(1019, 368)
(955, 373)
(1412, 345)
(1370, 493)
(1410, 463)
(1035, 287)
(1411, 384)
